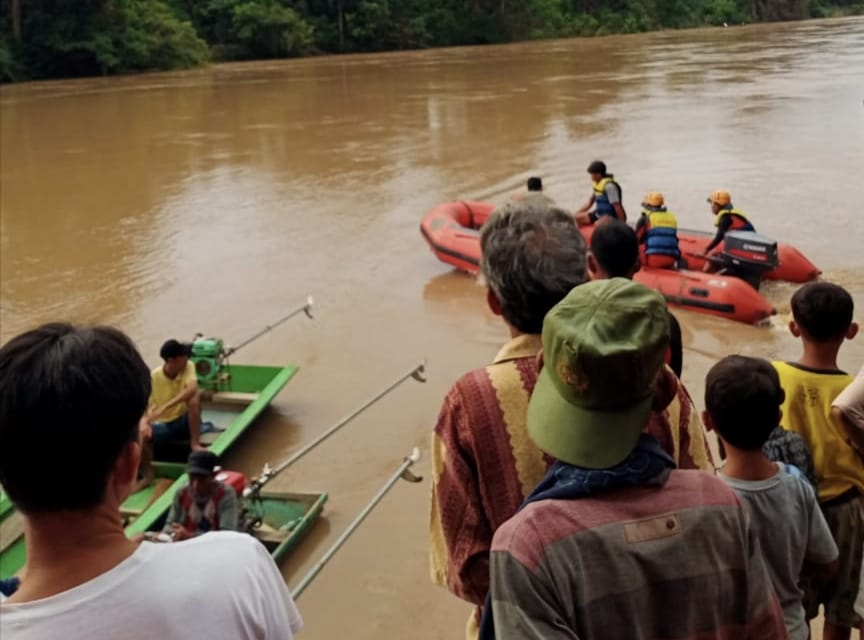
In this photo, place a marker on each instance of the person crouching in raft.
(727, 218)
(657, 229)
(606, 197)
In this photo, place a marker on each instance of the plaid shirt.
(485, 464)
(789, 447)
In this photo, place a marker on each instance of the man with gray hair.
(532, 256)
(485, 464)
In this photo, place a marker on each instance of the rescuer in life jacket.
(205, 504)
(657, 229)
(727, 218)
(606, 197)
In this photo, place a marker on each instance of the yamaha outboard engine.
(747, 255)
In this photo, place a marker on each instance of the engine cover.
(750, 249)
(206, 356)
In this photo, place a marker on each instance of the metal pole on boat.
(305, 308)
(268, 473)
(403, 473)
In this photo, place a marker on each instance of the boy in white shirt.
(72, 400)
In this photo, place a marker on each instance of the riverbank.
(131, 36)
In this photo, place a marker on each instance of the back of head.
(71, 399)
(535, 184)
(823, 311)
(615, 247)
(597, 166)
(743, 397)
(533, 254)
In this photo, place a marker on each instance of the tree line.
(59, 38)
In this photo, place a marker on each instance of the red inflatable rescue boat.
(452, 231)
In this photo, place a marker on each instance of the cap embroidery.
(575, 380)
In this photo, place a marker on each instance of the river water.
(215, 200)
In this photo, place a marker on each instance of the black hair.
(743, 396)
(535, 184)
(823, 311)
(615, 247)
(71, 399)
(598, 166)
(174, 349)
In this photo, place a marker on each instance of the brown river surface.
(215, 200)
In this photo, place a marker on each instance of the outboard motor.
(747, 255)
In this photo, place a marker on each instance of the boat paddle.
(403, 473)
(268, 472)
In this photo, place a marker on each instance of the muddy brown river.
(215, 200)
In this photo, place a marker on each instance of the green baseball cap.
(603, 346)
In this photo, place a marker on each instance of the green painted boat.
(240, 395)
(279, 520)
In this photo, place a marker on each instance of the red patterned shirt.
(485, 464)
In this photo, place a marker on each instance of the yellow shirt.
(807, 410)
(164, 389)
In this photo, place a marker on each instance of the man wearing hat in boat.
(606, 197)
(615, 539)
(205, 504)
(727, 218)
(174, 410)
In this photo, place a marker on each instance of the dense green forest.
(61, 38)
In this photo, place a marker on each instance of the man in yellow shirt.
(174, 410)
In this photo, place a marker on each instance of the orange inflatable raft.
(452, 231)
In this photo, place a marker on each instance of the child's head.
(822, 313)
(742, 401)
(614, 250)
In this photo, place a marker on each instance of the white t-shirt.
(791, 529)
(218, 585)
(851, 400)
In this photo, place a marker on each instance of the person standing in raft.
(203, 505)
(727, 218)
(657, 229)
(606, 197)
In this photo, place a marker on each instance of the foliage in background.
(59, 38)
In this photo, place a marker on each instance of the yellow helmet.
(653, 199)
(720, 197)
